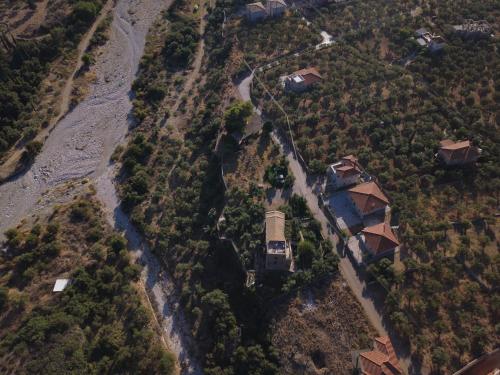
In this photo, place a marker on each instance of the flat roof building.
(256, 11)
(278, 251)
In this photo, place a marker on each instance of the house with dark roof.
(381, 360)
(302, 79)
(343, 173)
(368, 199)
(458, 153)
(256, 11)
(275, 8)
(278, 250)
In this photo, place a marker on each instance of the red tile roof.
(368, 197)
(347, 171)
(379, 362)
(384, 345)
(380, 238)
(310, 75)
(461, 151)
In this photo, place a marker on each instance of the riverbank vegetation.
(26, 62)
(99, 323)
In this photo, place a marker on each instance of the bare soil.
(317, 331)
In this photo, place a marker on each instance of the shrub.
(237, 115)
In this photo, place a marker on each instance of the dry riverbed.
(79, 149)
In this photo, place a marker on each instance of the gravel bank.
(81, 145)
(83, 141)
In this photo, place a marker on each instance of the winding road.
(80, 146)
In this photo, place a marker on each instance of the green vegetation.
(180, 41)
(177, 210)
(278, 175)
(23, 68)
(266, 40)
(97, 324)
(236, 116)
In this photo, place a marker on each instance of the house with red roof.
(379, 239)
(373, 242)
(458, 153)
(368, 199)
(343, 173)
(302, 79)
(381, 360)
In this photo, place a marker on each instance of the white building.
(343, 173)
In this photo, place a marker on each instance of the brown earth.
(318, 331)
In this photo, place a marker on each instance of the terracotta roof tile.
(380, 361)
(384, 345)
(347, 170)
(368, 197)
(461, 151)
(380, 238)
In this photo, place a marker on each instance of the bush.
(85, 12)
(237, 115)
(306, 252)
(4, 297)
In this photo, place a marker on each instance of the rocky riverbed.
(80, 147)
(83, 141)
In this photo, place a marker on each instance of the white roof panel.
(60, 285)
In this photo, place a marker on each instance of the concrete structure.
(302, 79)
(381, 360)
(60, 285)
(458, 153)
(368, 199)
(255, 11)
(343, 173)
(278, 251)
(474, 29)
(275, 8)
(434, 43)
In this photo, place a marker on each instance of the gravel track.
(81, 145)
